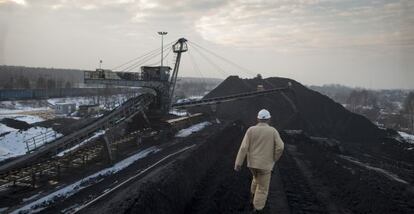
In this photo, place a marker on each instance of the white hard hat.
(263, 114)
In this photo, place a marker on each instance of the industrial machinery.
(157, 78)
(157, 85)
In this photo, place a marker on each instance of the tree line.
(389, 108)
(20, 77)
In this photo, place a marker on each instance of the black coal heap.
(317, 114)
(16, 124)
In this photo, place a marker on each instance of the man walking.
(263, 147)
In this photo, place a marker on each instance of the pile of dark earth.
(15, 124)
(334, 162)
(62, 125)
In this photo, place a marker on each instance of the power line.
(157, 51)
(210, 61)
(134, 59)
(249, 72)
(195, 66)
(144, 60)
(165, 56)
(290, 101)
(169, 51)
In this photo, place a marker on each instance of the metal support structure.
(145, 117)
(179, 47)
(107, 146)
(159, 93)
(114, 118)
(162, 33)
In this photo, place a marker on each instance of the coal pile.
(316, 114)
(334, 161)
(16, 124)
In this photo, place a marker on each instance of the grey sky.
(363, 43)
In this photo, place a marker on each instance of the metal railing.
(35, 142)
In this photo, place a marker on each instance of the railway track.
(93, 194)
(127, 181)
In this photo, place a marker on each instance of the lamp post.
(162, 33)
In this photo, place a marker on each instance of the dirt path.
(321, 192)
(277, 200)
(203, 181)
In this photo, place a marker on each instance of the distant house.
(85, 110)
(65, 108)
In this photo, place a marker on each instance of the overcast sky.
(366, 43)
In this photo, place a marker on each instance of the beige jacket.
(262, 145)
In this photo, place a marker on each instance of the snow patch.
(194, 128)
(408, 137)
(189, 99)
(12, 144)
(384, 172)
(4, 129)
(21, 109)
(94, 136)
(178, 113)
(30, 198)
(42, 203)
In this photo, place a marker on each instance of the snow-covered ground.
(4, 129)
(76, 100)
(41, 203)
(19, 106)
(30, 119)
(194, 128)
(12, 144)
(112, 101)
(408, 137)
(21, 117)
(7, 111)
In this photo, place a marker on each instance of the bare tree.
(51, 84)
(68, 84)
(362, 98)
(41, 82)
(9, 84)
(408, 109)
(23, 82)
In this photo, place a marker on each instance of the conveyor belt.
(127, 110)
(233, 97)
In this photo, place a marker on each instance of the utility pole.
(100, 64)
(162, 33)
